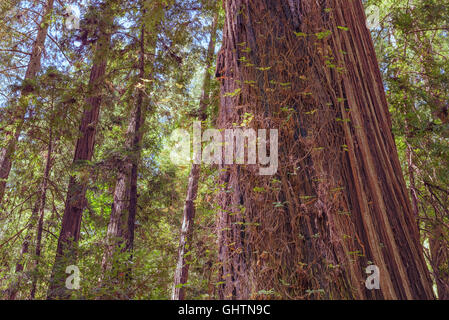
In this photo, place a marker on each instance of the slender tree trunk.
(411, 173)
(438, 237)
(39, 208)
(38, 251)
(440, 261)
(182, 267)
(40, 224)
(34, 66)
(439, 250)
(75, 202)
(338, 202)
(120, 235)
(15, 286)
(136, 146)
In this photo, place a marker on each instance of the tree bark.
(75, 202)
(309, 70)
(34, 66)
(182, 267)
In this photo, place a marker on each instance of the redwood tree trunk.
(439, 250)
(338, 202)
(75, 202)
(34, 66)
(182, 267)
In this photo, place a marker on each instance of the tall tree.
(36, 220)
(338, 202)
(34, 66)
(76, 202)
(415, 71)
(182, 267)
(120, 234)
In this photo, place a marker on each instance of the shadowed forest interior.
(218, 150)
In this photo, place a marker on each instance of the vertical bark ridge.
(310, 70)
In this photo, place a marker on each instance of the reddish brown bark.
(185, 242)
(439, 246)
(34, 66)
(75, 202)
(309, 69)
(136, 145)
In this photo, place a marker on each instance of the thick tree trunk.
(75, 202)
(36, 217)
(34, 65)
(339, 201)
(182, 267)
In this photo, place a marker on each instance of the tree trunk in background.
(125, 192)
(34, 66)
(39, 208)
(136, 146)
(120, 235)
(338, 202)
(439, 254)
(75, 202)
(182, 267)
(40, 224)
(411, 173)
(440, 262)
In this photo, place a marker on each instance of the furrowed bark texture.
(182, 267)
(75, 202)
(34, 66)
(338, 202)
